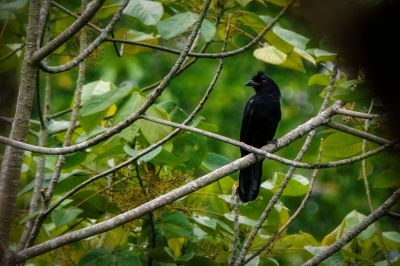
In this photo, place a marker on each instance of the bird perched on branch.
(260, 119)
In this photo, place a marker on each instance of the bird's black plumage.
(260, 120)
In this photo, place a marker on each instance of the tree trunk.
(12, 159)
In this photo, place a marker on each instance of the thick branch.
(347, 237)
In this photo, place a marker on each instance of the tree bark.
(12, 158)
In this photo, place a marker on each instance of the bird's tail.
(250, 181)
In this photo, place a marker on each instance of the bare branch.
(357, 133)
(346, 112)
(350, 235)
(52, 45)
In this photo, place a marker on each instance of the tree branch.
(357, 133)
(347, 237)
(346, 112)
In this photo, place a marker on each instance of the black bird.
(260, 119)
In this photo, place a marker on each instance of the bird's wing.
(247, 116)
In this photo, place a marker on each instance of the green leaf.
(392, 236)
(191, 149)
(322, 55)
(214, 161)
(270, 54)
(318, 79)
(154, 132)
(297, 186)
(387, 179)
(293, 61)
(148, 12)
(55, 126)
(175, 225)
(74, 159)
(94, 204)
(290, 37)
(242, 219)
(101, 102)
(205, 221)
(106, 257)
(125, 257)
(207, 30)
(94, 88)
(176, 25)
(305, 55)
(97, 257)
(341, 145)
(61, 216)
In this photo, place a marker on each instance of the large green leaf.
(154, 132)
(148, 12)
(175, 224)
(341, 145)
(181, 23)
(293, 61)
(387, 179)
(270, 54)
(191, 149)
(106, 257)
(214, 161)
(297, 186)
(61, 216)
(100, 102)
(176, 25)
(290, 37)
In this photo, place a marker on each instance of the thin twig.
(355, 231)
(367, 190)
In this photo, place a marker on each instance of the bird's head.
(260, 81)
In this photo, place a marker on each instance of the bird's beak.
(251, 83)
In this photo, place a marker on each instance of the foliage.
(198, 229)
